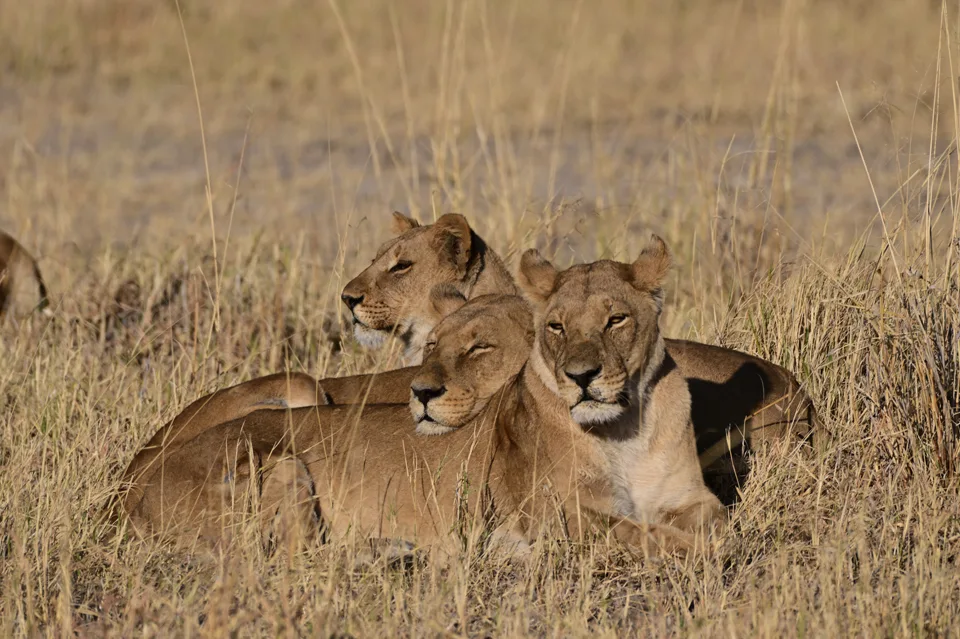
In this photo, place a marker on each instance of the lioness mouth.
(622, 399)
(387, 329)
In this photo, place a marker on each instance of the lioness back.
(279, 391)
(739, 402)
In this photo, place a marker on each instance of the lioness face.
(597, 329)
(391, 296)
(469, 356)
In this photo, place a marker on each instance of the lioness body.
(278, 391)
(156, 468)
(22, 290)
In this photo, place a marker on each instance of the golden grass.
(572, 126)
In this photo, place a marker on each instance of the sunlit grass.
(558, 125)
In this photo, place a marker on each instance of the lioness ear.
(537, 277)
(446, 299)
(458, 241)
(402, 223)
(651, 267)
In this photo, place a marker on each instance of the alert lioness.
(600, 355)
(509, 457)
(22, 290)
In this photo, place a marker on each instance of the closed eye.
(616, 320)
(555, 327)
(478, 348)
(401, 267)
(428, 347)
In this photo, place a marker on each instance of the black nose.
(426, 394)
(582, 378)
(351, 300)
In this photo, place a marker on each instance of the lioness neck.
(544, 435)
(492, 277)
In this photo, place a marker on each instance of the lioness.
(599, 352)
(511, 454)
(390, 295)
(22, 290)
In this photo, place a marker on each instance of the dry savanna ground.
(799, 157)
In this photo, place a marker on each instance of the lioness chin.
(508, 457)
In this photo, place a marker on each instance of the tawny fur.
(734, 396)
(22, 290)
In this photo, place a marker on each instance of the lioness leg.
(196, 495)
(288, 508)
(584, 512)
(280, 391)
(699, 516)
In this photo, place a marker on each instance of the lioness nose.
(582, 378)
(351, 300)
(425, 394)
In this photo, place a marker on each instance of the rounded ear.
(402, 223)
(651, 267)
(537, 277)
(458, 237)
(446, 299)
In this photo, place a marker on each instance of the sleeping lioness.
(22, 290)
(511, 458)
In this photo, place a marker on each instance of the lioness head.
(598, 339)
(391, 296)
(468, 357)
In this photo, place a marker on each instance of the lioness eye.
(616, 320)
(401, 267)
(429, 346)
(479, 347)
(556, 327)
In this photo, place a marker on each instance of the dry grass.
(568, 125)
